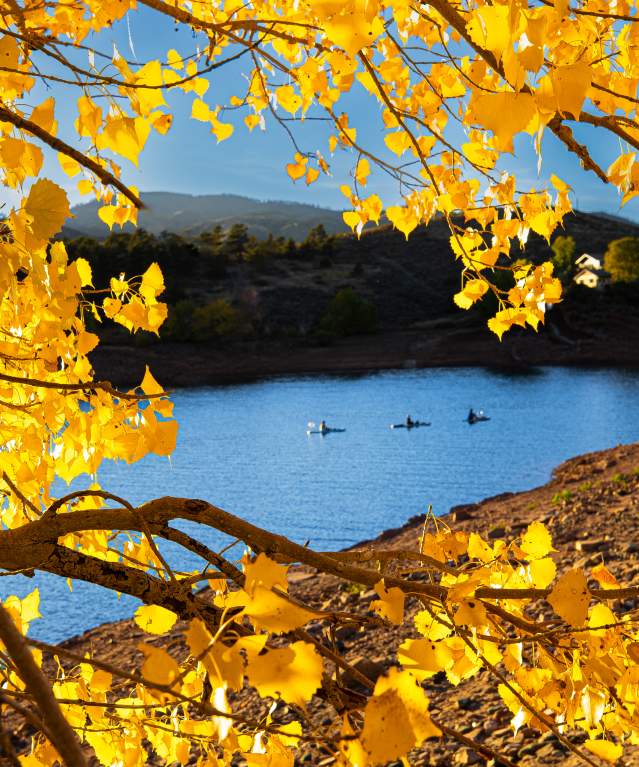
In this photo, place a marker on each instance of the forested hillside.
(226, 284)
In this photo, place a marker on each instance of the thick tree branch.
(16, 547)
(62, 735)
(106, 386)
(122, 578)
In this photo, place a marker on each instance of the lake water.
(245, 448)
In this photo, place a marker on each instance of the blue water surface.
(245, 448)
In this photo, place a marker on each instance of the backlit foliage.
(451, 85)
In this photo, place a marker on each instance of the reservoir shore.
(453, 342)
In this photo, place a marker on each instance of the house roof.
(599, 273)
(584, 257)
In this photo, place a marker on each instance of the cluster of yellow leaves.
(54, 423)
(300, 168)
(523, 69)
(584, 678)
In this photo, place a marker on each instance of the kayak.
(478, 418)
(323, 431)
(414, 425)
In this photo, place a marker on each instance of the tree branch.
(60, 732)
(6, 115)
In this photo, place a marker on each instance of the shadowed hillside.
(241, 306)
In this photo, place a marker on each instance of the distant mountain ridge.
(190, 215)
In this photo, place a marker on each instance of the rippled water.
(245, 448)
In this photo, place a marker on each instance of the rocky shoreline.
(590, 506)
(446, 343)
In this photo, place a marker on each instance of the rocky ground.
(590, 506)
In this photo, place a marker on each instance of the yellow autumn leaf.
(158, 667)
(174, 60)
(423, 657)
(44, 116)
(252, 121)
(542, 572)
(560, 186)
(125, 136)
(350, 29)
(200, 111)
(264, 571)
(601, 615)
(536, 542)
(352, 218)
(403, 218)
(570, 597)
(224, 664)
(70, 166)
(471, 613)
(604, 577)
(473, 290)
(149, 385)
(292, 673)
(161, 122)
(220, 130)
(163, 437)
(505, 114)
(479, 549)
(24, 610)
(107, 213)
(273, 612)
(362, 171)
(21, 160)
(390, 605)
(570, 84)
(604, 749)
(89, 119)
(288, 99)
(432, 626)
(85, 186)
(311, 176)
(152, 282)
(87, 342)
(298, 168)
(154, 619)
(398, 142)
(397, 698)
(84, 271)
(111, 306)
(101, 680)
(505, 319)
(490, 27)
(48, 207)
(262, 604)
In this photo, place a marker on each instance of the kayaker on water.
(323, 426)
(409, 422)
(471, 415)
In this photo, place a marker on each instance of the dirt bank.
(450, 343)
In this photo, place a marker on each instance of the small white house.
(586, 261)
(588, 278)
(590, 272)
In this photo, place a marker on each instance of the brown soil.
(590, 506)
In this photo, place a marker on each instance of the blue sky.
(189, 160)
